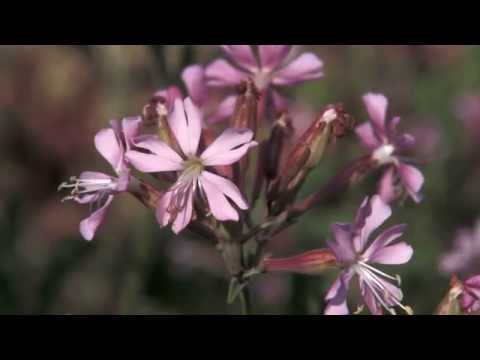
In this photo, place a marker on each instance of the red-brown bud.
(312, 262)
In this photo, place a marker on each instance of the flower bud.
(281, 130)
(312, 262)
(245, 112)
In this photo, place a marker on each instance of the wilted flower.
(355, 254)
(176, 206)
(98, 189)
(465, 253)
(270, 68)
(386, 147)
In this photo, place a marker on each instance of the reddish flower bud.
(312, 262)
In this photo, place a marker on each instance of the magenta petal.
(376, 105)
(337, 295)
(367, 136)
(341, 244)
(412, 180)
(229, 147)
(219, 206)
(469, 303)
(386, 188)
(242, 55)
(221, 73)
(226, 187)
(194, 78)
(186, 124)
(473, 284)
(224, 110)
(106, 142)
(398, 253)
(306, 67)
(271, 56)
(89, 226)
(370, 217)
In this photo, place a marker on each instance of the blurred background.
(53, 99)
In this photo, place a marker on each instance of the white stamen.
(81, 187)
(384, 154)
(329, 116)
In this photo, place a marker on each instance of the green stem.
(245, 300)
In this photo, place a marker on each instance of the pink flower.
(271, 68)
(355, 253)
(465, 253)
(98, 189)
(386, 145)
(193, 78)
(470, 297)
(176, 206)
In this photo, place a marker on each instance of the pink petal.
(473, 283)
(162, 215)
(219, 206)
(186, 124)
(341, 244)
(386, 188)
(469, 303)
(385, 238)
(306, 67)
(185, 216)
(224, 110)
(162, 159)
(272, 55)
(370, 216)
(337, 295)
(89, 226)
(227, 187)
(194, 78)
(376, 105)
(107, 145)
(367, 136)
(221, 73)
(242, 55)
(412, 180)
(369, 299)
(170, 94)
(131, 129)
(229, 147)
(398, 253)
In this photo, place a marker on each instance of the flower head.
(98, 189)
(356, 253)
(271, 68)
(176, 206)
(386, 146)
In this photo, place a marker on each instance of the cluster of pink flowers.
(217, 160)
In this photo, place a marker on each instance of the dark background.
(53, 99)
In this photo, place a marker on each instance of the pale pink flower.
(96, 188)
(355, 253)
(176, 206)
(386, 146)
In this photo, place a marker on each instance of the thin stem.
(244, 297)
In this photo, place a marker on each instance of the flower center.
(383, 154)
(262, 79)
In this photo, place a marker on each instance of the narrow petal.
(162, 215)
(386, 187)
(412, 180)
(337, 295)
(221, 73)
(306, 67)
(376, 105)
(219, 206)
(224, 110)
(186, 124)
(107, 144)
(341, 244)
(149, 163)
(227, 187)
(131, 129)
(194, 78)
(370, 216)
(242, 55)
(399, 253)
(385, 238)
(89, 226)
(367, 136)
(271, 56)
(185, 216)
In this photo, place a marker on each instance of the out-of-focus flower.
(386, 146)
(468, 110)
(355, 254)
(272, 67)
(465, 252)
(98, 189)
(176, 206)
(470, 298)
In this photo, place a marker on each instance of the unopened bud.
(281, 130)
(246, 107)
(312, 262)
